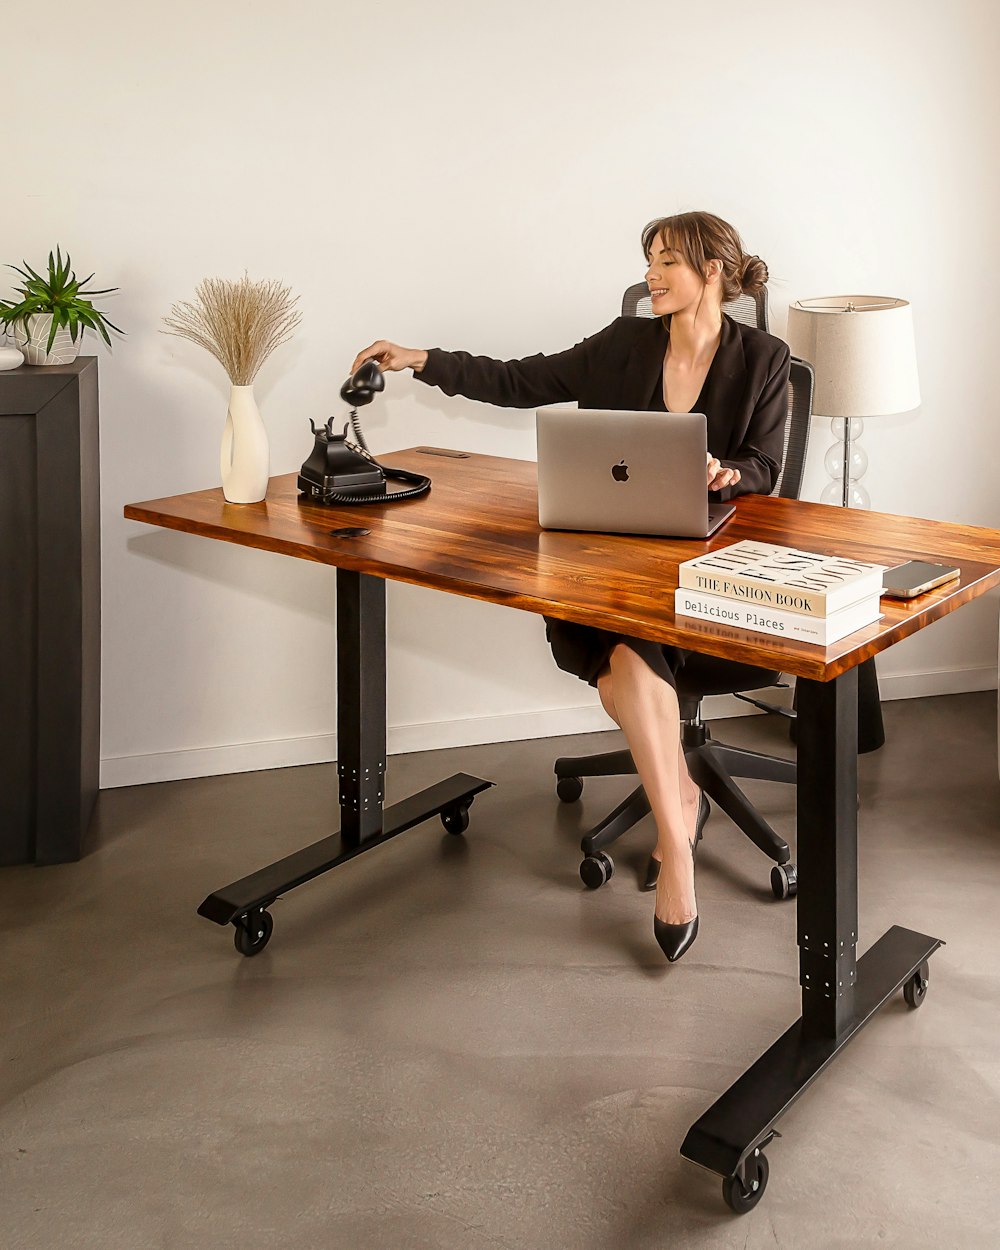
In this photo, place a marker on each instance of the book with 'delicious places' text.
(822, 630)
(782, 578)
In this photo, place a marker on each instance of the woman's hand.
(718, 477)
(390, 357)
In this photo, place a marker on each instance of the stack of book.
(780, 590)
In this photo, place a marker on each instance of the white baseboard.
(938, 681)
(244, 757)
(236, 757)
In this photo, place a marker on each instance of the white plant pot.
(10, 357)
(245, 457)
(33, 341)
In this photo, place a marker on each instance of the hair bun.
(752, 275)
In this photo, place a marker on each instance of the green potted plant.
(52, 314)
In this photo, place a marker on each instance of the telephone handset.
(338, 471)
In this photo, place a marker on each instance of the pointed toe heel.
(674, 939)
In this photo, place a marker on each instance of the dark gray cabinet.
(50, 610)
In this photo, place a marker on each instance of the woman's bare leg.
(689, 794)
(689, 791)
(646, 708)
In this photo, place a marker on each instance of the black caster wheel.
(596, 869)
(253, 932)
(915, 990)
(456, 819)
(784, 880)
(569, 789)
(743, 1197)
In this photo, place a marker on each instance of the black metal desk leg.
(360, 704)
(840, 993)
(871, 729)
(828, 852)
(361, 749)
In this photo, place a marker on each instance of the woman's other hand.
(390, 357)
(718, 477)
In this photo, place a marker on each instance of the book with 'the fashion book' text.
(764, 575)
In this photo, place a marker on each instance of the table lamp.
(861, 348)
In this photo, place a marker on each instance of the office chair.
(712, 765)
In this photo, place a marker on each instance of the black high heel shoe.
(674, 939)
(653, 867)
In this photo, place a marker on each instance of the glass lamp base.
(857, 496)
(846, 462)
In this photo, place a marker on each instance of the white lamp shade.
(862, 350)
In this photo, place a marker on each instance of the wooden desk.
(476, 534)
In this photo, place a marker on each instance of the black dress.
(744, 397)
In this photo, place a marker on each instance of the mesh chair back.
(801, 383)
(751, 310)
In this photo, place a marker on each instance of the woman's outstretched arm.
(530, 382)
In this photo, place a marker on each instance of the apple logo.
(620, 471)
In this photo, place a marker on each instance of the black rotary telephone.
(338, 471)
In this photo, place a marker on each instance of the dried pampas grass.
(240, 323)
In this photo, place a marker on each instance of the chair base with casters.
(712, 766)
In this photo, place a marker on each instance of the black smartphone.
(907, 580)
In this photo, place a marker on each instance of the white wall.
(476, 177)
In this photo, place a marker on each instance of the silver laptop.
(625, 473)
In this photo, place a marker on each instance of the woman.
(690, 357)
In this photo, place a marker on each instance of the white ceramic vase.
(245, 456)
(32, 341)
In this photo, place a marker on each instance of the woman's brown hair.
(701, 237)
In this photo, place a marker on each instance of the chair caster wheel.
(456, 819)
(596, 869)
(253, 931)
(741, 1196)
(915, 990)
(569, 789)
(784, 880)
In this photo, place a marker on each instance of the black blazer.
(745, 397)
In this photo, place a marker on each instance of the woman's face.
(673, 284)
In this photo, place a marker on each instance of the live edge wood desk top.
(476, 534)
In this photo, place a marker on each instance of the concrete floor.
(449, 1043)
